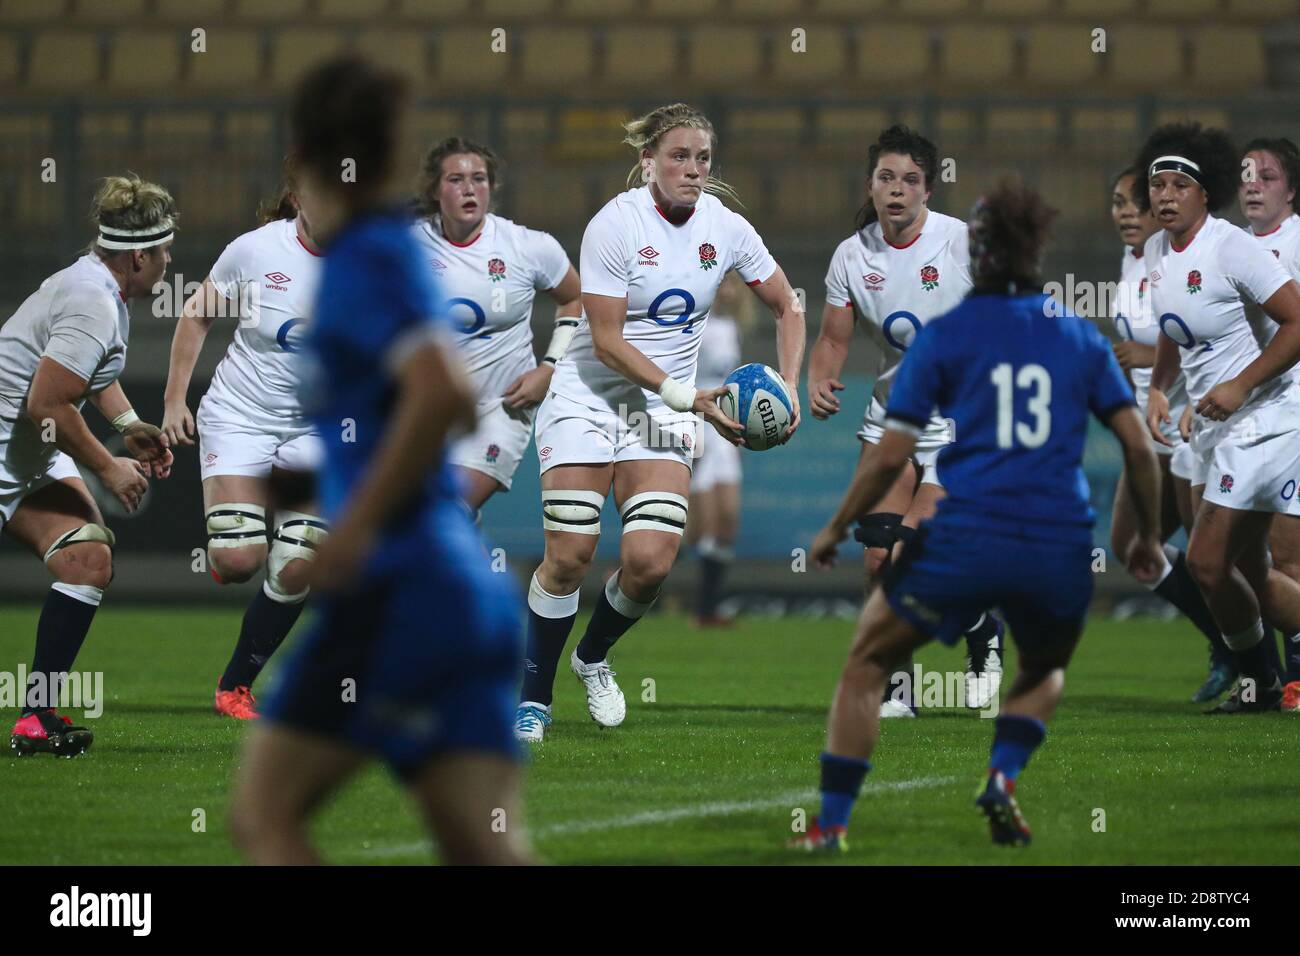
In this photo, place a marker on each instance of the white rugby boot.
(605, 701)
(895, 708)
(531, 721)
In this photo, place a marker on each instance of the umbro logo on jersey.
(438, 264)
(278, 279)
(647, 255)
(875, 281)
(1155, 277)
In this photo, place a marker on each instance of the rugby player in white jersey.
(65, 345)
(1267, 198)
(1201, 272)
(904, 265)
(1136, 353)
(715, 478)
(256, 450)
(621, 411)
(491, 268)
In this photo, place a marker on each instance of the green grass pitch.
(711, 771)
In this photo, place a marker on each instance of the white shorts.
(229, 447)
(1252, 464)
(926, 453)
(1181, 463)
(20, 477)
(570, 433)
(718, 462)
(497, 444)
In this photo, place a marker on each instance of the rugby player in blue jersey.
(1020, 378)
(414, 655)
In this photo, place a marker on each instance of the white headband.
(114, 238)
(1175, 164)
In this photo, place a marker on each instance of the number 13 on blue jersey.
(1035, 379)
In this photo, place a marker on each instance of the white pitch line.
(689, 812)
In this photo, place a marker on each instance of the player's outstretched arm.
(791, 333)
(1141, 471)
(869, 485)
(187, 342)
(826, 360)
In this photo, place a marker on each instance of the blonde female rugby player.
(620, 412)
(66, 344)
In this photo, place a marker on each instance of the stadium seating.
(31, 11)
(556, 58)
(977, 54)
(600, 9)
(1144, 56)
(465, 59)
(294, 51)
(407, 51)
(1060, 55)
(295, 11)
(109, 11)
(823, 55)
(373, 11)
(8, 60)
(231, 61)
(64, 62)
(722, 55)
(635, 55)
(1228, 58)
(205, 13)
(897, 58)
(141, 61)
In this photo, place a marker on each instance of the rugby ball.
(758, 398)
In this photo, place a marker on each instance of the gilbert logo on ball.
(757, 398)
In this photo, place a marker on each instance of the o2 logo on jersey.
(687, 307)
(900, 329)
(1174, 327)
(469, 316)
(289, 336)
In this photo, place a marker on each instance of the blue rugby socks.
(841, 782)
(1015, 738)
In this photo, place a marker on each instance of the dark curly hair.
(1211, 149)
(903, 141)
(1288, 156)
(1009, 228)
(431, 168)
(1126, 171)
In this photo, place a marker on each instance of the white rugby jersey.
(895, 290)
(1135, 322)
(669, 275)
(1197, 296)
(719, 350)
(79, 319)
(490, 283)
(272, 277)
(1284, 243)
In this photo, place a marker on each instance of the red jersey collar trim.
(1174, 246)
(905, 245)
(437, 223)
(1261, 235)
(304, 245)
(1137, 252)
(666, 219)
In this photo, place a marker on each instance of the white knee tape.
(297, 535)
(575, 511)
(655, 511)
(87, 532)
(236, 525)
(1245, 640)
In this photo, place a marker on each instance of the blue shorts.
(410, 667)
(947, 575)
